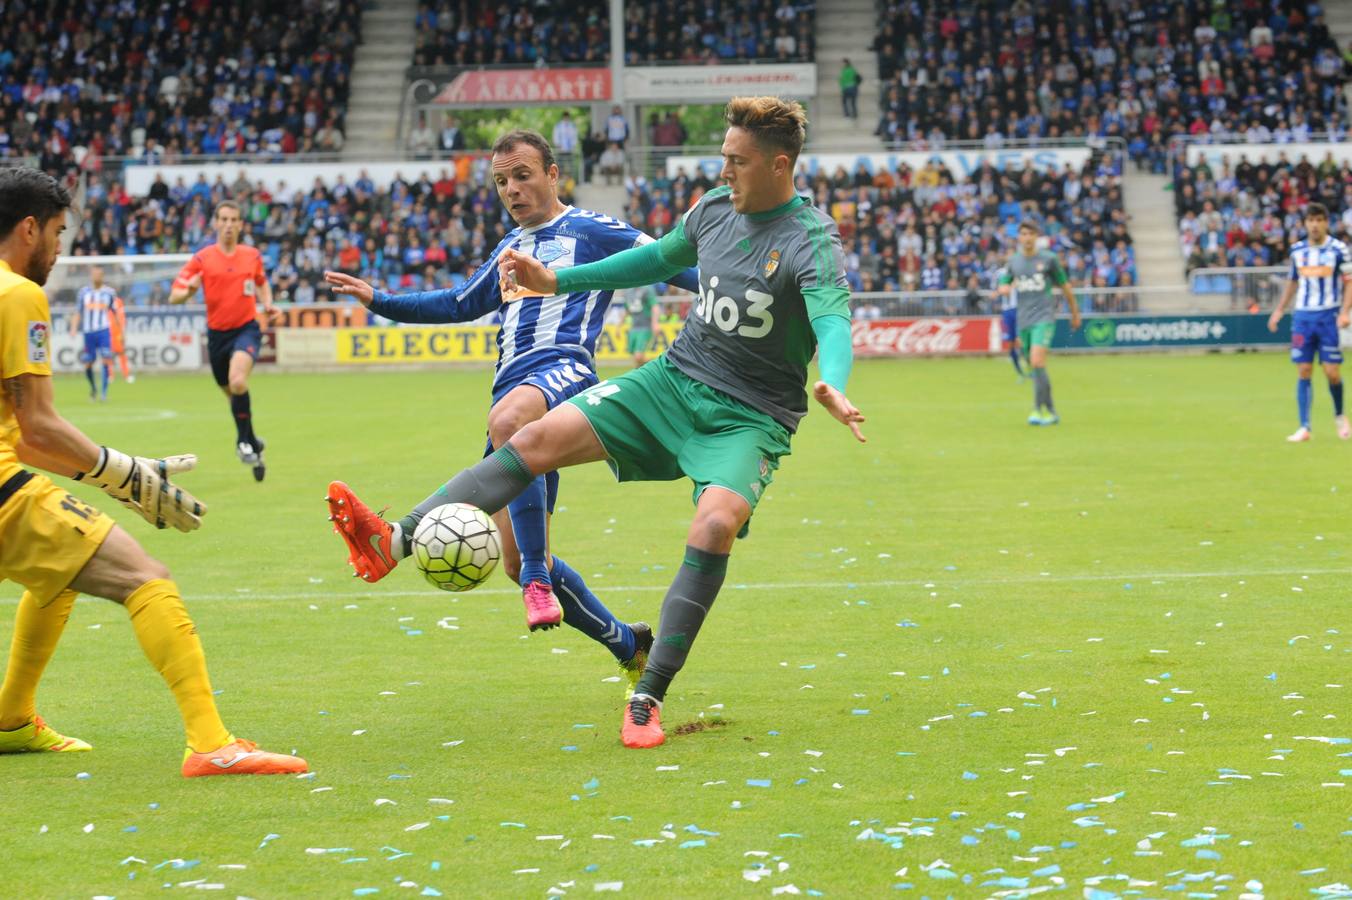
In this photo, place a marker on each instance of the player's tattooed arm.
(13, 391)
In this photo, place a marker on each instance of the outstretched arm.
(664, 259)
(466, 303)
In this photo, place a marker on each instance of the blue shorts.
(97, 345)
(1312, 332)
(222, 345)
(1009, 325)
(557, 379)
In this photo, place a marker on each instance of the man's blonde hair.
(777, 125)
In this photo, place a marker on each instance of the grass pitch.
(970, 658)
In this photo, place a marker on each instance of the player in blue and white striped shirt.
(1009, 318)
(1321, 269)
(93, 317)
(545, 349)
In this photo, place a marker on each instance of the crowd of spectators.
(697, 31)
(1249, 212)
(80, 79)
(550, 32)
(430, 228)
(928, 230)
(1142, 70)
(521, 33)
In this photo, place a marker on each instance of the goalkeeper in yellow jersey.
(58, 546)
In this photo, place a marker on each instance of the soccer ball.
(456, 546)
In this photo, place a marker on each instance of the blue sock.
(528, 526)
(1014, 358)
(1304, 393)
(583, 611)
(1336, 389)
(106, 372)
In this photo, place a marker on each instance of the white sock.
(398, 547)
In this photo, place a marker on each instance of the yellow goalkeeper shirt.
(25, 349)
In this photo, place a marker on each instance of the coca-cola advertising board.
(925, 337)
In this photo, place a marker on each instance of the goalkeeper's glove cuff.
(112, 470)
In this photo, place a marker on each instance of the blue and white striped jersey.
(535, 328)
(95, 305)
(1319, 273)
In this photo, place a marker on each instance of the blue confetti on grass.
(941, 874)
(592, 785)
(758, 782)
(1046, 871)
(686, 845)
(970, 776)
(860, 712)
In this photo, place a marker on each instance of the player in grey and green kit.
(1031, 274)
(721, 405)
(643, 321)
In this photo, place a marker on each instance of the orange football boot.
(642, 723)
(366, 534)
(241, 758)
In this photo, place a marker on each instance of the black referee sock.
(688, 601)
(240, 409)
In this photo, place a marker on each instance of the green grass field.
(970, 658)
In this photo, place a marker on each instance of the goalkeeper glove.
(143, 485)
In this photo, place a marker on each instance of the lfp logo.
(1100, 332)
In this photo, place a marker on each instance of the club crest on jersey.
(772, 263)
(549, 251)
(39, 342)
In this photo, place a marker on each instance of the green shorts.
(658, 424)
(1038, 335)
(640, 339)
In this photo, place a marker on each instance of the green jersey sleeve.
(664, 258)
(1055, 270)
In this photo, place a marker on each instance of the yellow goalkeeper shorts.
(46, 534)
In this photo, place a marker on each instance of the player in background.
(1321, 267)
(1009, 320)
(719, 407)
(1032, 273)
(117, 332)
(93, 318)
(231, 277)
(645, 316)
(545, 356)
(58, 546)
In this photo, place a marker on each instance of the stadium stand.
(1245, 213)
(577, 31)
(483, 32)
(174, 78)
(691, 32)
(431, 228)
(1096, 68)
(928, 230)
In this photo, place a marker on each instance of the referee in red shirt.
(231, 278)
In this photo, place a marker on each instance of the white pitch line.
(937, 581)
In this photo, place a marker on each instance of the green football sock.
(688, 601)
(489, 484)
